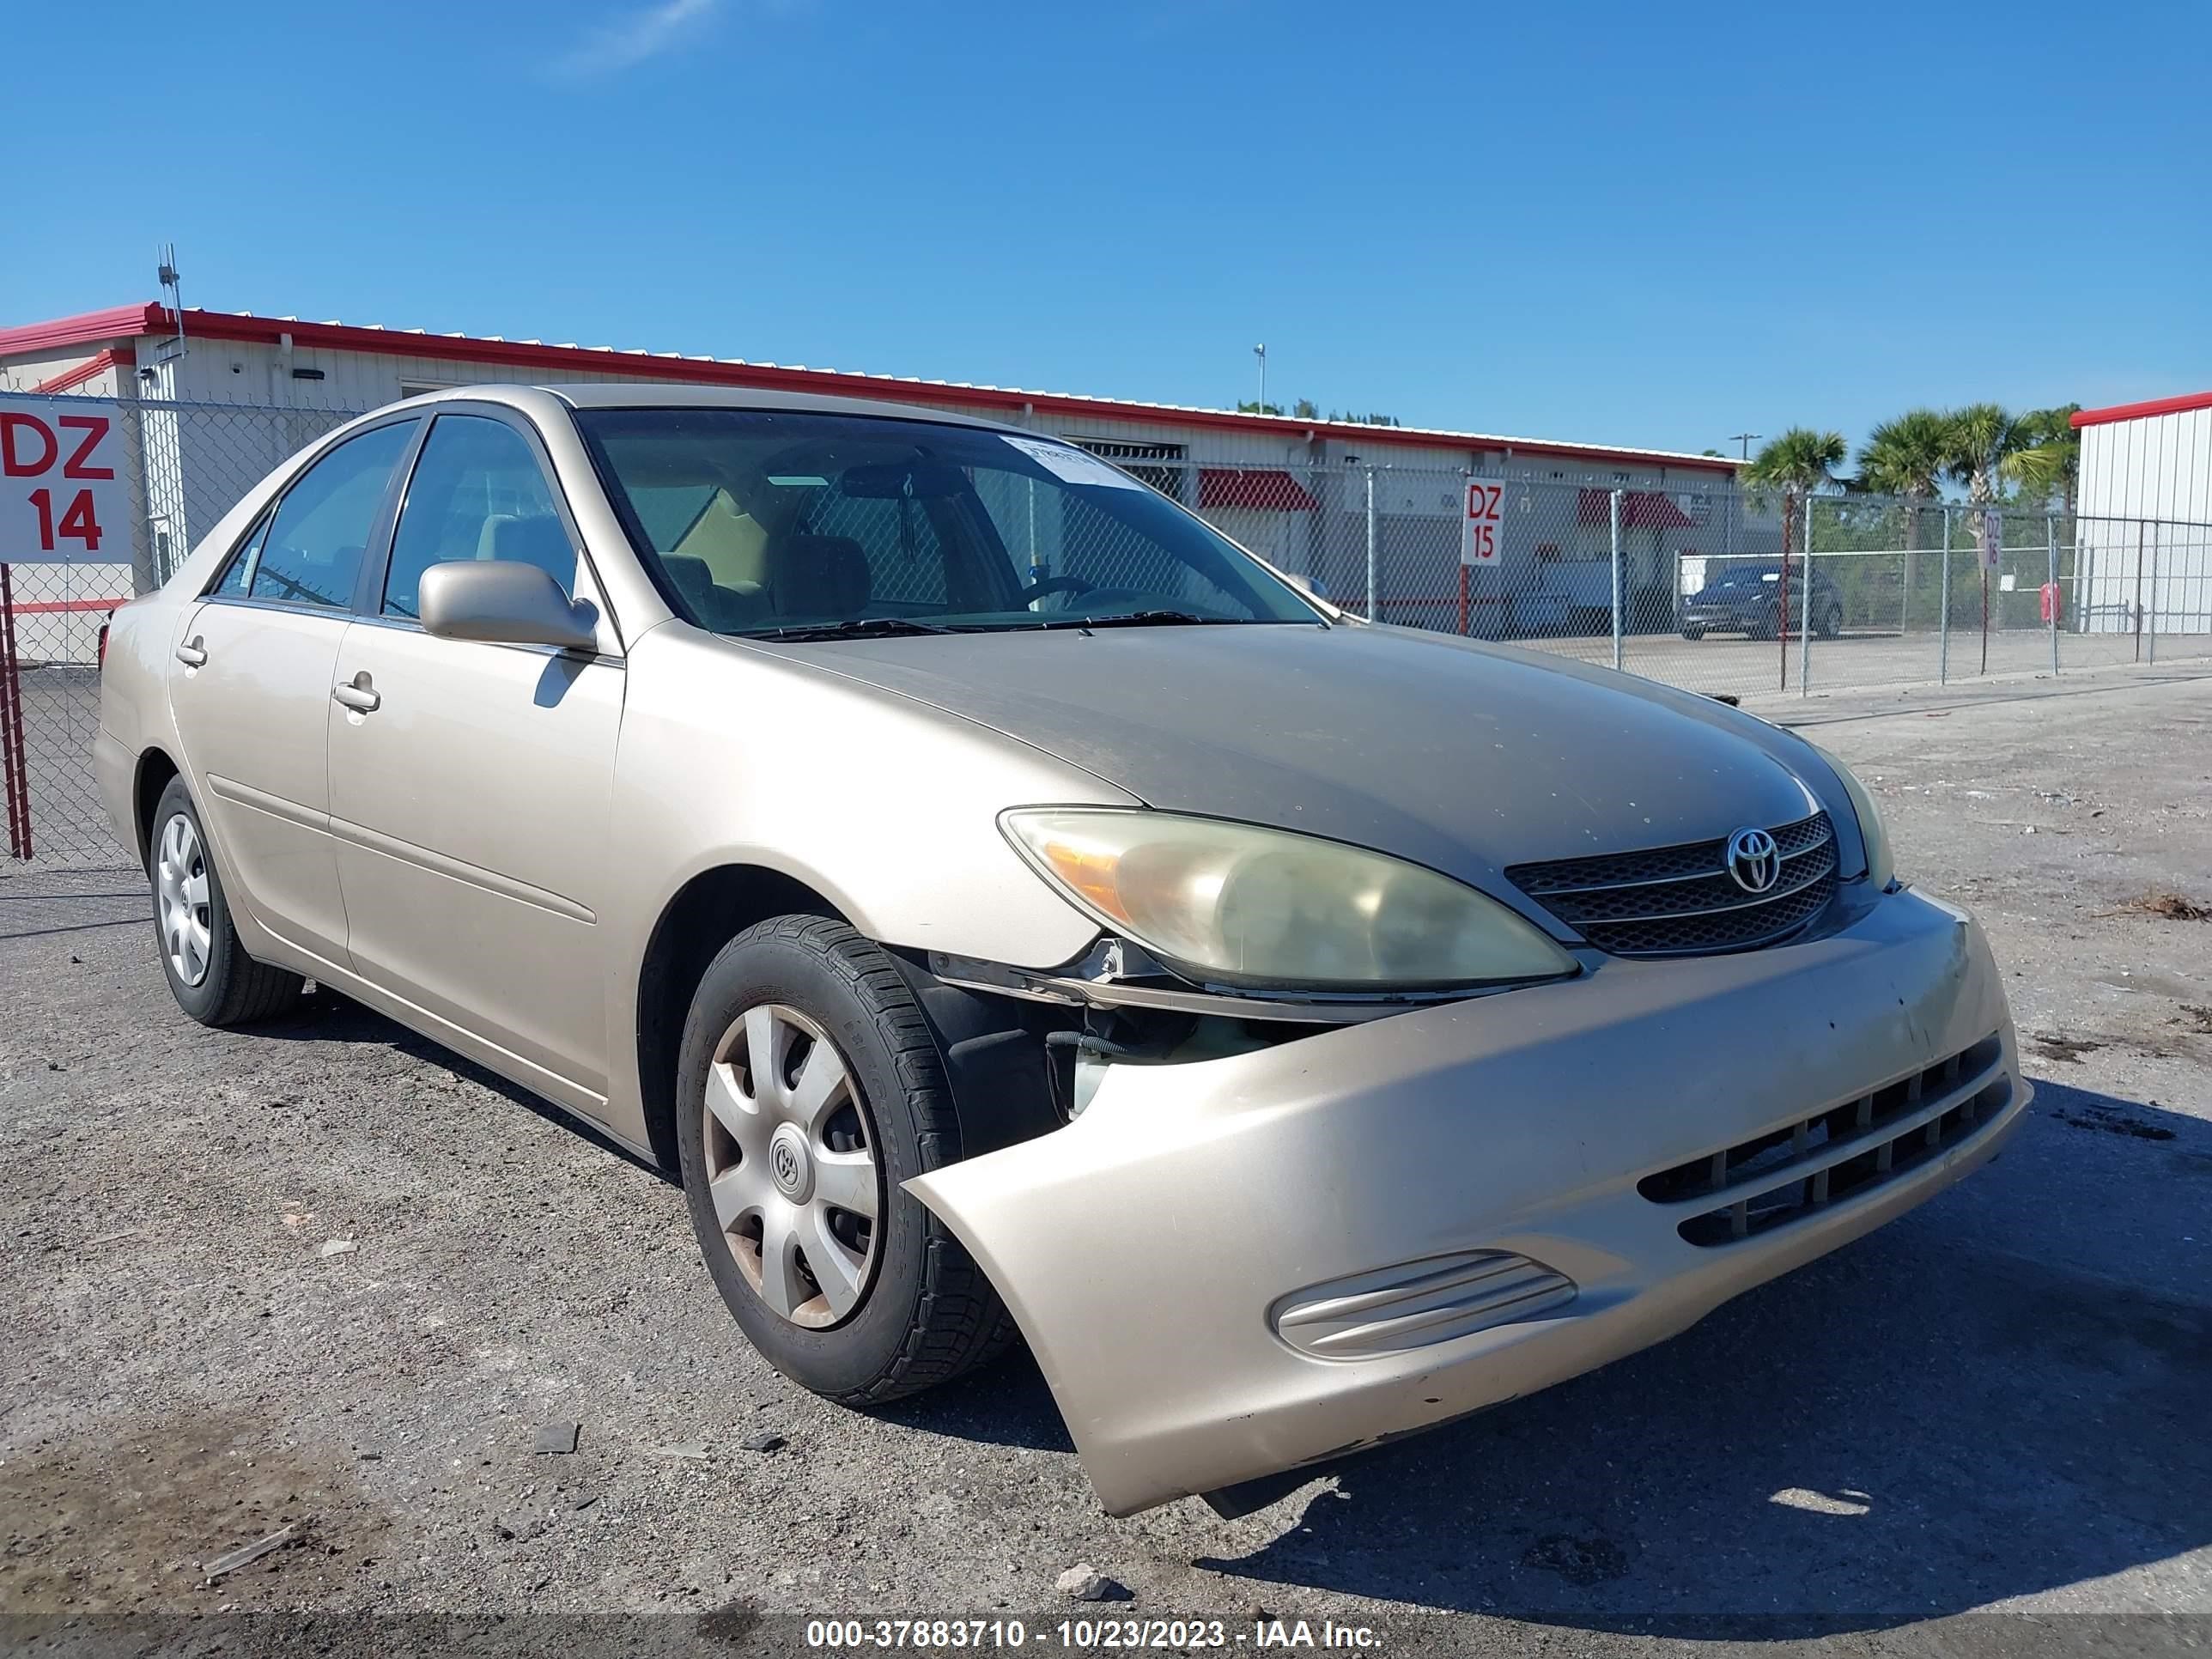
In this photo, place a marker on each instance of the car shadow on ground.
(1005, 1404)
(1968, 1405)
(328, 1015)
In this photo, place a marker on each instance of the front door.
(471, 784)
(250, 681)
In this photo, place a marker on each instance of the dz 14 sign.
(1483, 529)
(61, 490)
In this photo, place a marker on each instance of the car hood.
(1458, 755)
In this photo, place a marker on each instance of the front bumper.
(1152, 1250)
(1724, 617)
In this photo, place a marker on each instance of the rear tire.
(208, 971)
(909, 1309)
(1832, 622)
(1694, 632)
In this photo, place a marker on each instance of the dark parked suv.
(1742, 598)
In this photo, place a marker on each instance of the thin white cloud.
(625, 41)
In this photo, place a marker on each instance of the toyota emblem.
(1754, 859)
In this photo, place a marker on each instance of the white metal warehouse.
(2146, 516)
(1286, 487)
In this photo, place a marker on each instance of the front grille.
(1792, 1172)
(1681, 901)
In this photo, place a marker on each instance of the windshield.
(783, 523)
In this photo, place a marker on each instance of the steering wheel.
(1044, 585)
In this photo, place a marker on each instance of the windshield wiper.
(1143, 619)
(844, 630)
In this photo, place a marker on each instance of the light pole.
(1260, 352)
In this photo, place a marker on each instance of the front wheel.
(808, 1092)
(209, 972)
(1832, 622)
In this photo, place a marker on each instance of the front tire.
(208, 971)
(809, 1090)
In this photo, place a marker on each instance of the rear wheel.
(1831, 622)
(208, 971)
(1693, 632)
(809, 1090)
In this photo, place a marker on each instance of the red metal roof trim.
(1264, 489)
(98, 364)
(2188, 400)
(126, 321)
(116, 322)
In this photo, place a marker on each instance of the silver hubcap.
(791, 1167)
(180, 891)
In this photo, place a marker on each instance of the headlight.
(1881, 869)
(1266, 908)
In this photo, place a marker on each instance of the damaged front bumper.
(1232, 1268)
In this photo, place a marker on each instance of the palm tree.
(1982, 437)
(1905, 457)
(1798, 462)
(2049, 463)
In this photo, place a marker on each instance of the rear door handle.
(357, 695)
(191, 655)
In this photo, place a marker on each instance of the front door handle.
(357, 693)
(192, 655)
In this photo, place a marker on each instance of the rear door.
(471, 798)
(251, 687)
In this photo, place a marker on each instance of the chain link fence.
(182, 467)
(1738, 593)
(1710, 589)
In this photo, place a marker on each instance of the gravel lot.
(326, 1274)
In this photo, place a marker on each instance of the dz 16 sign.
(1483, 529)
(1992, 540)
(61, 490)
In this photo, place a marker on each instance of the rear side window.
(313, 550)
(237, 580)
(477, 493)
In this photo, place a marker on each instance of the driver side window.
(476, 493)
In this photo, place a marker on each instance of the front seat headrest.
(818, 578)
(536, 539)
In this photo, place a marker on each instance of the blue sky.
(1617, 222)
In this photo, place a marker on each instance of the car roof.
(646, 394)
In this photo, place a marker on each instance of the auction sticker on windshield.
(1073, 466)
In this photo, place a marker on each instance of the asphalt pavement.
(327, 1277)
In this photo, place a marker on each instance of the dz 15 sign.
(61, 490)
(1484, 528)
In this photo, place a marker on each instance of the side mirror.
(505, 602)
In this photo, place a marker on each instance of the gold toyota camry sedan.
(1014, 908)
